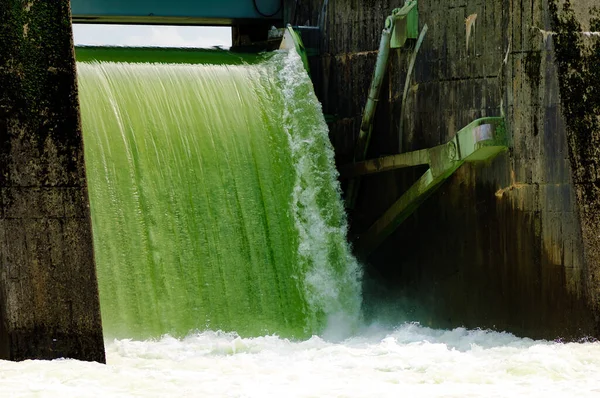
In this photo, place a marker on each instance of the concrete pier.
(49, 305)
(510, 245)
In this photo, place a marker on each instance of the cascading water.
(214, 198)
(215, 206)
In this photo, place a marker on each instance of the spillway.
(214, 198)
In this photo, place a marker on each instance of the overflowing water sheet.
(215, 201)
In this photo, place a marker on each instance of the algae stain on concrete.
(533, 61)
(48, 259)
(578, 57)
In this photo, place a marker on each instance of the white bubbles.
(332, 276)
(411, 360)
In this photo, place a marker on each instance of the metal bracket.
(480, 140)
(405, 24)
(399, 31)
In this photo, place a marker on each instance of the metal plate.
(184, 12)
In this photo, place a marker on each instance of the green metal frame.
(481, 140)
(404, 23)
(400, 26)
(391, 23)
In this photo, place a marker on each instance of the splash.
(409, 360)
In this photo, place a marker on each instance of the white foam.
(411, 361)
(332, 276)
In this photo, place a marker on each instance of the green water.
(214, 200)
(165, 55)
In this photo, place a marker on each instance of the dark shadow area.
(469, 257)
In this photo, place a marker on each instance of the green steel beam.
(393, 25)
(385, 163)
(481, 140)
(364, 135)
(181, 12)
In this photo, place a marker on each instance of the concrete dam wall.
(49, 304)
(511, 244)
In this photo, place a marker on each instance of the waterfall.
(215, 201)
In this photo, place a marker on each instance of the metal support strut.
(481, 140)
(400, 26)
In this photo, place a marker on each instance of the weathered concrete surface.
(511, 245)
(49, 305)
(578, 59)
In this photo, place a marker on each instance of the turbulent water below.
(410, 361)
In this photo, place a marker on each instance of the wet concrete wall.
(49, 304)
(511, 244)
